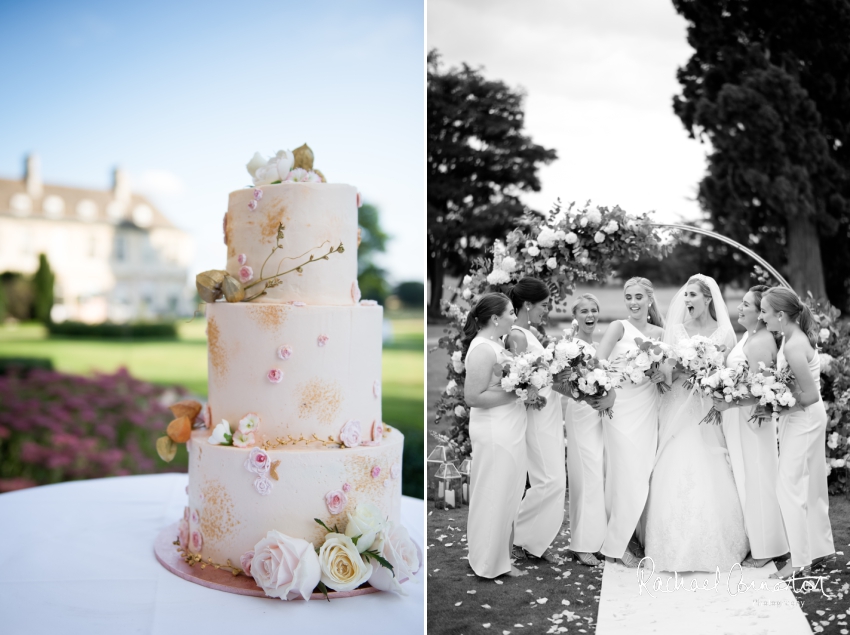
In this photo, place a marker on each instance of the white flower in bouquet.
(451, 387)
(838, 462)
(467, 280)
(552, 263)
(611, 227)
(460, 411)
(636, 376)
(546, 237)
(599, 237)
(823, 334)
(571, 238)
(457, 362)
(560, 234)
(540, 378)
(642, 361)
(498, 276)
(567, 349)
(832, 440)
(533, 250)
(508, 264)
(467, 294)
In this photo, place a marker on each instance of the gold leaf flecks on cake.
(217, 350)
(359, 474)
(272, 220)
(218, 520)
(319, 399)
(228, 236)
(269, 316)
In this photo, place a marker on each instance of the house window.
(120, 248)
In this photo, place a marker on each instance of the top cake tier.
(315, 217)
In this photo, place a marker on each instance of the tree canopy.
(371, 278)
(479, 161)
(768, 85)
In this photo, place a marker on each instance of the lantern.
(465, 469)
(435, 460)
(449, 492)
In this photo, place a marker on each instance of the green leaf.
(356, 538)
(228, 439)
(324, 590)
(380, 559)
(328, 529)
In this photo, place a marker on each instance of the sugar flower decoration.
(377, 431)
(183, 534)
(298, 303)
(376, 389)
(249, 422)
(206, 415)
(285, 351)
(350, 435)
(275, 375)
(376, 471)
(368, 303)
(395, 470)
(258, 194)
(336, 501)
(359, 200)
(196, 541)
(194, 518)
(242, 259)
(322, 340)
(346, 487)
(300, 175)
(266, 171)
(221, 434)
(257, 461)
(246, 274)
(245, 561)
(355, 292)
(252, 205)
(263, 485)
(243, 439)
(387, 483)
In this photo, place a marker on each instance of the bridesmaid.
(632, 435)
(497, 431)
(585, 466)
(541, 512)
(752, 447)
(801, 487)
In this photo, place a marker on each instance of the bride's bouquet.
(731, 384)
(587, 377)
(524, 374)
(772, 387)
(699, 357)
(649, 356)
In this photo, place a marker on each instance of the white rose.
(832, 440)
(508, 264)
(599, 237)
(401, 552)
(552, 263)
(823, 334)
(467, 280)
(560, 234)
(498, 276)
(839, 463)
(457, 363)
(533, 251)
(537, 381)
(642, 361)
(276, 169)
(467, 294)
(757, 390)
(546, 237)
(460, 411)
(342, 567)
(366, 522)
(570, 349)
(571, 238)
(583, 221)
(285, 567)
(451, 386)
(636, 376)
(686, 353)
(611, 227)
(594, 216)
(217, 436)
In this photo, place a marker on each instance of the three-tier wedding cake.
(293, 477)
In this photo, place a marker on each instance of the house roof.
(78, 204)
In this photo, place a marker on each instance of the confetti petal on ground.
(542, 600)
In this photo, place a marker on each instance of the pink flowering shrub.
(56, 427)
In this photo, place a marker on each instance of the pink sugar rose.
(206, 415)
(346, 487)
(355, 292)
(350, 434)
(263, 486)
(359, 200)
(297, 303)
(245, 562)
(336, 501)
(395, 470)
(258, 461)
(246, 274)
(376, 471)
(285, 567)
(368, 303)
(285, 351)
(194, 518)
(258, 194)
(376, 389)
(241, 259)
(252, 205)
(322, 340)
(196, 540)
(377, 431)
(183, 534)
(387, 483)
(275, 375)
(186, 509)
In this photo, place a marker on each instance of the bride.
(693, 519)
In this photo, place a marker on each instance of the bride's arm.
(479, 370)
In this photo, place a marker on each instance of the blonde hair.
(654, 316)
(706, 292)
(584, 296)
(785, 300)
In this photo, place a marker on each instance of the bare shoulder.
(483, 354)
(763, 341)
(616, 328)
(516, 338)
(799, 348)
(655, 332)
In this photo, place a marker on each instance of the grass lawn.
(566, 595)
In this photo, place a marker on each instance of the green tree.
(411, 293)
(768, 86)
(42, 284)
(479, 161)
(373, 240)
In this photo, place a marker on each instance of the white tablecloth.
(78, 558)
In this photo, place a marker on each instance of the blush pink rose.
(376, 389)
(322, 340)
(376, 471)
(258, 461)
(241, 259)
(258, 194)
(285, 351)
(336, 501)
(194, 518)
(246, 273)
(359, 200)
(285, 567)
(275, 375)
(377, 431)
(252, 205)
(183, 534)
(350, 434)
(346, 487)
(196, 540)
(245, 562)
(355, 292)
(206, 415)
(403, 554)
(186, 509)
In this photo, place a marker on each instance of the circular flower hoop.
(564, 247)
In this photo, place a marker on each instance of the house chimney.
(32, 176)
(120, 185)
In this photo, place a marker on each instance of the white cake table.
(78, 558)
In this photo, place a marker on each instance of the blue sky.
(181, 95)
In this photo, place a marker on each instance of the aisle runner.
(627, 607)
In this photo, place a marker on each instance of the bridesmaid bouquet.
(525, 374)
(649, 356)
(699, 357)
(726, 383)
(587, 376)
(773, 389)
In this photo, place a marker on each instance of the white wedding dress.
(693, 519)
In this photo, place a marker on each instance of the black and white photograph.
(638, 282)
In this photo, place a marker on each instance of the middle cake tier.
(303, 370)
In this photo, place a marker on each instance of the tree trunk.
(804, 262)
(437, 275)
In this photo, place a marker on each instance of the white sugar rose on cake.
(294, 480)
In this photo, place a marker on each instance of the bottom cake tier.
(237, 495)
